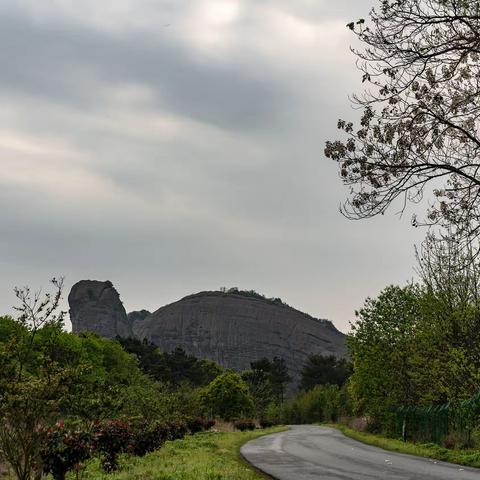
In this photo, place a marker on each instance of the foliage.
(261, 388)
(381, 348)
(31, 386)
(244, 425)
(174, 367)
(228, 397)
(198, 457)
(267, 380)
(279, 377)
(111, 438)
(24, 410)
(322, 403)
(420, 124)
(274, 414)
(199, 424)
(419, 345)
(63, 449)
(253, 294)
(266, 423)
(469, 458)
(324, 370)
(47, 374)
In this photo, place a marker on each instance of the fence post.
(404, 428)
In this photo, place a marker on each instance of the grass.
(469, 458)
(205, 456)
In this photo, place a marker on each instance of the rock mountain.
(231, 328)
(96, 307)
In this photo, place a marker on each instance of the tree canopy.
(324, 370)
(174, 367)
(420, 123)
(228, 397)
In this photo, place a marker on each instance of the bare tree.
(30, 388)
(419, 131)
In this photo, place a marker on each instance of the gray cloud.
(72, 64)
(188, 157)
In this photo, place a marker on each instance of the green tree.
(449, 332)
(174, 367)
(260, 387)
(321, 403)
(32, 387)
(381, 345)
(228, 397)
(324, 370)
(279, 377)
(276, 372)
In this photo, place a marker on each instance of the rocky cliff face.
(235, 330)
(229, 328)
(138, 316)
(95, 306)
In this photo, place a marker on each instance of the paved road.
(309, 452)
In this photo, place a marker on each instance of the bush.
(111, 438)
(228, 397)
(266, 423)
(199, 424)
(176, 430)
(147, 438)
(209, 424)
(244, 425)
(64, 449)
(275, 414)
(323, 403)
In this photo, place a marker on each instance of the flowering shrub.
(266, 423)
(176, 430)
(111, 438)
(64, 449)
(210, 423)
(199, 424)
(147, 438)
(244, 425)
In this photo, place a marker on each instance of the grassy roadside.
(205, 456)
(469, 458)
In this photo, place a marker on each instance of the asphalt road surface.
(309, 452)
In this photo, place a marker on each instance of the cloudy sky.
(174, 146)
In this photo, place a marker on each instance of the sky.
(177, 146)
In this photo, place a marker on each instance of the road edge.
(397, 446)
(251, 465)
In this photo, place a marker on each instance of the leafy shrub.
(174, 368)
(266, 423)
(228, 397)
(324, 370)
(147, 438)
(176, 430)
(199, 424)
(209, 424)
(275, 414)
(449, 442)
(64, 449)
(244, 425)
(111, 438)
(322, 403)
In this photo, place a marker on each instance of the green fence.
(435, 422)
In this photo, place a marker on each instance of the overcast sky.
(173, 146)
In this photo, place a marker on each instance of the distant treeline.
(254, 294)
